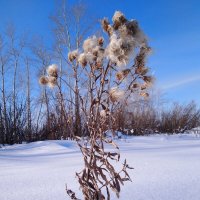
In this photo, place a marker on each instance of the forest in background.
(30, 112)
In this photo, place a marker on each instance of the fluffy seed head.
(114, 50)
(123, 31)
(122, 60)
(90, 58)
(119, 49)
(126, 72)
(132, 27)
(144, 86)
(72, 55)
(118, 19)
(52, 70)
(105, 24)
(110, 30)
(122, 74)
(127, 44)
(99, 63)
(116, 94)
(132, 30)
(135, 85)
(148, 79)
(98, 53)
(52, 81)
(140, 60)
(119, 76)
(82, 59)
(100, 41)
(144, 71)
(43, 80)
(141, 70)
(144, 94)
(89, 44)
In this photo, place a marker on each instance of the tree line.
(29, 112)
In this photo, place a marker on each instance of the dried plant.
(43, 80)
(51, 78)
(109, 85)
(73, 55)
(52, 71)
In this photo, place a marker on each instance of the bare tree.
(71, 26)
(179, 118)
(28, 99)
(42, 58)
(16, 45)
(3, 61)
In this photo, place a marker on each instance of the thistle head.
(105, 23)
(52, 70)
(148, 80)
(52, 81)
(118, 19)
(116, 94)
(144, 94)
(90, 43)
(82, 59)
(119, 76)
(43, 80)
(72, 55)
(100, 41)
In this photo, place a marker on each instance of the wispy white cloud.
(178, 83)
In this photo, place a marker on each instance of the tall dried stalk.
(112, 73)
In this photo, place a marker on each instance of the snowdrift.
(165, 167)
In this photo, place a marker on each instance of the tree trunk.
(28, 102)
(13, 138)
(77, 128)
(5, 124)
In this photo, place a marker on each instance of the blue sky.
(173, 28)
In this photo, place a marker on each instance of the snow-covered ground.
(165, 168)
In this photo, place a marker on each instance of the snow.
(165, 167)
(195, 131)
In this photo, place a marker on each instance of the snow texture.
(165, 167)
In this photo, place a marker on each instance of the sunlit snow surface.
(165, 168)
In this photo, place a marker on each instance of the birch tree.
(3, 63)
